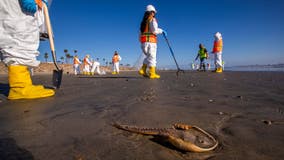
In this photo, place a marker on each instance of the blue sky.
(253, 30)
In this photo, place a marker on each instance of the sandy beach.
(244, 111)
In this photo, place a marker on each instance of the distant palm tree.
(68, 57)
(62, 59)
(45, 56)
(75, 53)
(66, 52)
(104, 60)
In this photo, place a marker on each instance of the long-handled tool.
(57, 74)
(178, 69)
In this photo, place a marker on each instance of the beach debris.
(190, 85)
(182, 136)
(279, 110)
(241, 97)
(238, 97)
(270, 122)
(149, 96)
(26, 111)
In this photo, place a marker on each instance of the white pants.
(86, 68)
(218, 60)
(19, 35)
(150, 50)
(116, 67)
(96, 67)
(76, 69)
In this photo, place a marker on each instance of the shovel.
(57, 74)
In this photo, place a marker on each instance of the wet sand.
(243, 110)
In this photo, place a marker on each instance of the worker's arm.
(28, 6)
(154, 27)
(197, 56)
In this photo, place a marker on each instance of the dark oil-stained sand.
(244, 111)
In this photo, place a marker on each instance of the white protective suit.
(19, 34)
(87, 65)
(218, 56)
(95, 67)
(150, 49)
(76, 65)
(116, 65)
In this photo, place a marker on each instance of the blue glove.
(165, 33)
(28, 6)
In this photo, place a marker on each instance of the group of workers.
(149, 30)
(20, 24)
(90, 67)
(217, 52)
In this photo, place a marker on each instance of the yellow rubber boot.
(219, 70)
(153, 75)
(21, 86)
(142, 70)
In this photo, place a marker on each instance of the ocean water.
(238, 68)
(268, 69)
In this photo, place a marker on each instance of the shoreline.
(244, 111)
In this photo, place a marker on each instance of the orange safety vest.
(115, 58)
(218, 46)
(39, 3)
(147, 35)
(76, 61)
(86, 62)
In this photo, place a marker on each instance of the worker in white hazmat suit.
(76, 65)
(148, 38)
(20, 22)
(87, 65)
(95, 68)
(115, 61)
(217, 51)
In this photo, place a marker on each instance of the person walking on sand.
(87, 64)
(20, 22)
(76, 65)
(203, 55)
(115, 61)
(148, 37)
(217, 51)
